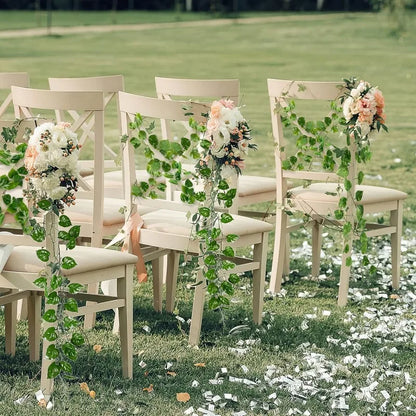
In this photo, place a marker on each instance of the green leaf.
(43, 255)
(364, 242)
(70, 322)
(234, 278)
(228, 251)
(359, 212)
(348, 262)
(7, 199)
(204, 211)
(212, 288)
(223, 185)
(77, 339)
(210, 274)
(68, 263)
(69, 350)
(214, 303)
(359, 195)
(339, 214)
(231, 238)
(74, 231)
(346, 229)
(41, 282)
(74, 287)
(210, 260)
(71, 305)
(50, 315)
(226, 218)
(45, 204)
(342, 202)
(360, 177)
(56, 281)
(54, 370)
(215, 233)
(50, 334)
(65, 366)
(342, 171)
(64, 221)
(347, 185)
(228, 288)
(63, 235)
(227, 265)
(52, 352)
(224, 300)
(52, 298)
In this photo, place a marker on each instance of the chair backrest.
(89, 105)
(150, 108)
(281, 92)
(201, 90)
(110, 85)
(7, 79)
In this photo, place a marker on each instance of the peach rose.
(30, 158)
(216, 107)
(378, 96)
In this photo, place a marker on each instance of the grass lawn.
(308, 352)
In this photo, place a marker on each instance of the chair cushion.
(253, 185)
(82, 211)
(24, 259)
(175, 222)
(317, 193)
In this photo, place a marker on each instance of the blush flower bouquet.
(51, 162)
(363, 108)
(229, 137)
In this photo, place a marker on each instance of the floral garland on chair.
(51, 161)
(359, 114)
(218, 149)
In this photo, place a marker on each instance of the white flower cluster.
(51, 161)
(364, 106)
(229, 134)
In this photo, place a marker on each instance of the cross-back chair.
(320, 199)
(169, 228)
(250, 189)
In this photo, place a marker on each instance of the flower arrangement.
(229, 136)
(51, 162)
(363, 107)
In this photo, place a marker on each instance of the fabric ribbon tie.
(130, 233)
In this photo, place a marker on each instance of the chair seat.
(319, 196)
(176, 222)
(24, 259)
(82, 211)
(253, 185)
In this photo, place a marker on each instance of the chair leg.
(158, 272)
(286, 266)
(22, 309)
(10, 314)
(125, 291)
(197, 308)
(259, 277)
(278, 251)
(89, 319)
(344, 278)
(171, 280)
(396, 218)
(34, 322)
(316, 248)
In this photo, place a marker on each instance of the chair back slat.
(7, 79)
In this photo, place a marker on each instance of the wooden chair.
(320, 199)
(250, 189)
(93, 265)
(7, 79)
(169, 228)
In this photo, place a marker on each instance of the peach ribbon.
(130, 233)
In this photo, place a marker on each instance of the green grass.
(328, 47)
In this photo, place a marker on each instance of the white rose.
(57, 193)
(227, 172)
(346, 108)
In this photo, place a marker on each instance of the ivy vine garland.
(47, 175)
(218, 151)
(358, 115)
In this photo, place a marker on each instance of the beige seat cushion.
(82, 211)
(175, 222)
(253, 185)
(24, 259)
(371, 194)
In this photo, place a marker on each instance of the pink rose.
(216, 107)
(30, 158)
(227, 103)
